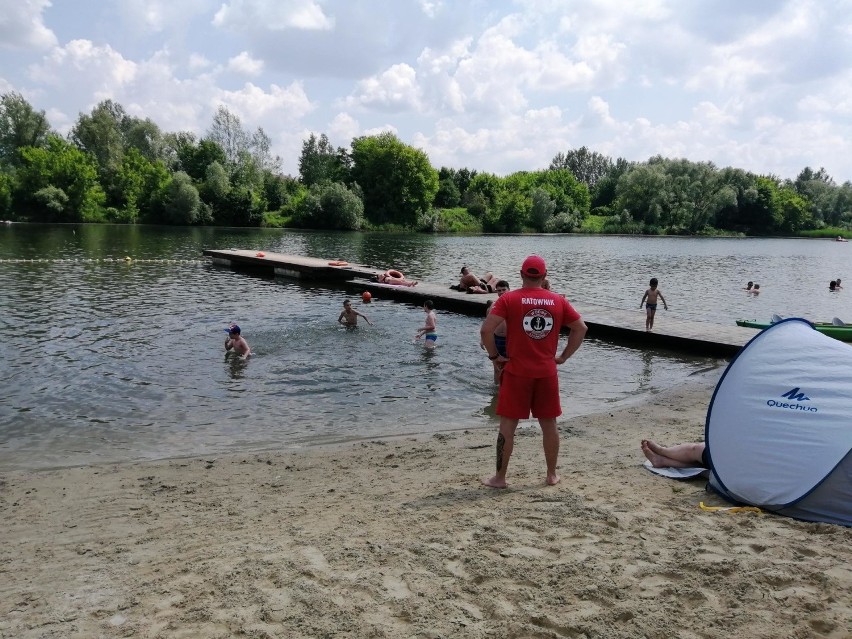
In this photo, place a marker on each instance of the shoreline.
(484, 422)
(397, 538)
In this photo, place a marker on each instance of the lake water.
(109, 360)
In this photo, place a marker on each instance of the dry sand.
(397, 538)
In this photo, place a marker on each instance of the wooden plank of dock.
(705, 338)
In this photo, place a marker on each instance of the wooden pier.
(702, 338)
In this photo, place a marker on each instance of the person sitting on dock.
(392, 276)
(467, 280)
(472, 284)
(349, 316)
(236, 342)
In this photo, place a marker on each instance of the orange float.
(366, 297)
(260, 254)
(338, 263)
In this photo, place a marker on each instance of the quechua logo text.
(796, 398)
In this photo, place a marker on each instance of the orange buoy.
(260, 254)
(366, 297)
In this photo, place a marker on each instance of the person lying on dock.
(392, 276)
(236, 342)
(349, 316)
(678, 456)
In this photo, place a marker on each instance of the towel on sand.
(678, 473)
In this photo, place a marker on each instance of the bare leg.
(679, 456)
(550, 441)
(649, 320)
(505, 444)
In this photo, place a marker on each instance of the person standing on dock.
(530, 381)
(349, 316)
(651, 305)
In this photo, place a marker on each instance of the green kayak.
(842, 332)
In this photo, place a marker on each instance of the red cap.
(534, 266)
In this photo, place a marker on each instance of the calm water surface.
(114, 360)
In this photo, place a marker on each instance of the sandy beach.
(397, 538)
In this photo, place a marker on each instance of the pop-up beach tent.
(779, 426)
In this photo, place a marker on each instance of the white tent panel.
(781, 417)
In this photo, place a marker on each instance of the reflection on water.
(125, 360)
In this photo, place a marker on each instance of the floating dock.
(701, 338)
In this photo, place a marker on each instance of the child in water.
(428, 329)
(349, 316)
(236, 342)
(651, 306)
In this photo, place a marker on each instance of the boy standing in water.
(651, 306)
(349, 316)
(428, 329)
(236, 342)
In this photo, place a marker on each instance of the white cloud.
(274, 15)
(22, 25)
(394, 90)
(252, 103)
(161, 15)
(497, 86)
(245, 64)
(198, 61)
(100, 68)
(343, 127)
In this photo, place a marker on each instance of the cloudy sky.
(492, 85)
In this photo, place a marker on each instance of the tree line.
(114, 167)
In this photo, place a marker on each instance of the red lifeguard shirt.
(534, 317)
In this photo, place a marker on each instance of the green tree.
(331, 206)
(481, 195)
(589, 167)
(543, 208)
(448, 194)
(100, 134)
(137, 182)
(794, 210)
(144, 136)
(227, 131)
(20, 126)
(604, 192)
(321, 162)
(179, 201)
(193, 156)
(7, 187)
(398, 182)
(63, 166)
(818, 189)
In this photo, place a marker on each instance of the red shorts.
(520, 395)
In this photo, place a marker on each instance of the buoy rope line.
(105, 260)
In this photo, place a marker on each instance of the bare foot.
(552, 479)
(651, 451)
(495, 482)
